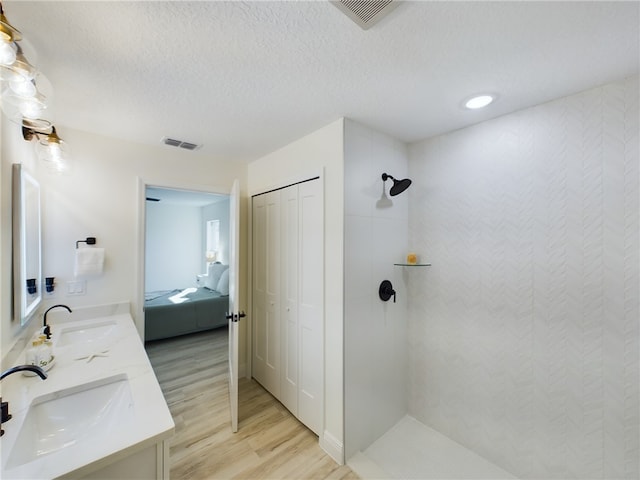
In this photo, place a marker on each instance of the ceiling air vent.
(180, 144)
(366, 13)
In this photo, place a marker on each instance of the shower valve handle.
(386, 291)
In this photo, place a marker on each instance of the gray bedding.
(204, 309)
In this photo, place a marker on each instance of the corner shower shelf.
(412, 264)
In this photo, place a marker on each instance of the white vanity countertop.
(151, 422)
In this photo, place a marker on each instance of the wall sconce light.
(50, 147)
(21, 97)
(49, 284)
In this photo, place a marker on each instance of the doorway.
(203, 306)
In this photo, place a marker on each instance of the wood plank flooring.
(270, 444)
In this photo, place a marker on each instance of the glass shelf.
(412, 264)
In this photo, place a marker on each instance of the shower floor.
(411, 450)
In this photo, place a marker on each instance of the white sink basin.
(91, 333)
(84, 413)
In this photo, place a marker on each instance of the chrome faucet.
(6, 416)
(47, 330)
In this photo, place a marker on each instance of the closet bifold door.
(266, 291)
(288, 298)
(290, 259)
(311, 305)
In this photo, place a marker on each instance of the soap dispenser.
(31, 357)
(39, 354)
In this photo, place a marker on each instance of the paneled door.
(266, 290)
(288, 297)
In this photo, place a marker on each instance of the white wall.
(376, 237)
(322, 149)
(13, 149)
(217, 211)
(174, 249)
(524, 335)
(101, 198)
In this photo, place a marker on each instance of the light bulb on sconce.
(54, 152)
(30, 108)
(23, 87)
(22, 103)
(7, 54)
(50, 148)
(22, 76)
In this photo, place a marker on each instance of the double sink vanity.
(99, 414)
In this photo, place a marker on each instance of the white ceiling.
(246, 78)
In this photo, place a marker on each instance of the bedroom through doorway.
(186, 276)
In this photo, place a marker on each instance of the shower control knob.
(386, 291)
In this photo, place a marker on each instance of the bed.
(197, 310)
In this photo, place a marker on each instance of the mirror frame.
(27, 243)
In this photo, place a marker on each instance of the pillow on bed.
(214, 272)
(223, 284)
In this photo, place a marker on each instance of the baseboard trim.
(333, 447)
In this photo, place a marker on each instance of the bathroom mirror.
(27, 264)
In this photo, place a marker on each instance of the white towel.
(89, 261)
(178, 297)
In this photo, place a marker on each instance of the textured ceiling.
(245, 78)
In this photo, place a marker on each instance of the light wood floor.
(270, 443)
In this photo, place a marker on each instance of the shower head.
(398, 187)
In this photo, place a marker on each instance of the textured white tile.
(358, 257)
(360, 194)
(523, 336)
(375, 331)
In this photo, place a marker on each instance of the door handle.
(235, 317)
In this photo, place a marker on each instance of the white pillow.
(223, 284)
(214, 272)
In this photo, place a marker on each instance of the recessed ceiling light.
(479, 101)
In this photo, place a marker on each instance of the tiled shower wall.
(524, 335)
(376, 230)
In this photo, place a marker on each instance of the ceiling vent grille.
(366, 13)
(180, 144)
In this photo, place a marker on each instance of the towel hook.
(88, 241)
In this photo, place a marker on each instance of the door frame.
(142, 184)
